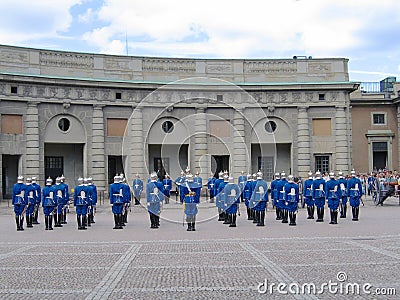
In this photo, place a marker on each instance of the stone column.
(32, 140)
(134, 145)
(342, 143)
(97, 156)
(303, 142)
(240, 159)
(200, 144)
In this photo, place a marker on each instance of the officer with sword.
(48, 203)
(154, 197)
(19, 201)
(191, 189)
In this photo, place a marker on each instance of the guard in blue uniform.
(117, 201)
(211, 187)
(192, 189)
(31, 202)
(308, 197)
(333, 194)
(370, 182)
(221, 198)
(198, 179)
(354, 188)
(38, 197)
(218, 199)
(48, 203)
(259, 199)
(318, 192)
(275, 196)
(167, 183)
(281, 197)
(59, 191)
(241, 183)
(137, 185)
(155, 197)
(343, 195)
(247, 191)
(19, 201)
(126, 192)
(92, 200)
(292, 199)
(178, 182)
(232, 201)
(65, 208)
(81, 199)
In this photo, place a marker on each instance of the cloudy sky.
(365, 31)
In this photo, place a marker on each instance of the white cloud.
(22, 20)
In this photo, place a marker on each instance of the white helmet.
(20, 179)
(49, 181)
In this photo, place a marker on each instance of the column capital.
(98, 106)
(33, 103)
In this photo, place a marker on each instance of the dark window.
(54, 162)
(167, 126)
(219, 98)
(321, 97)
(379, 146)
(270, 126)
(63, 124)
(14, 90)
(322, 163)
(118, 95)
(266, 166)
(379, 119)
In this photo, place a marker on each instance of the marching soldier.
(247, 191)
(38, 197)
(222, 197)
(354, 189)
(192, 190)
(232, 201)
(318, 189)
(126, 192)
(259, 199)
(48, 203)
(241, 183)
(117, 201)
(31, 202)
(275, 196)
(332, 192)
(167, 183)
(198, 179)
(65, 209)
(92, 195)
(154, 196)
(81, 193)
(218, 200)
(211, 187)
(19, 201)
(178, 182)
(59, 191)
(308, 198)
(137, 189)
(343, 195)
(281, 197)
(292, 198)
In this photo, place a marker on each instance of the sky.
(367, 32)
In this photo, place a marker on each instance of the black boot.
(335, 215)
(344, 211)
(46, 222)
(193, 226)
(353, 211)
(332, 217)
(357, 210)
(17, 222)
(261, 217)
(248, 214)
(115, 221)
(255, 216)
(84, 222)
(189, 227)
(152, 223)
(21, 222)
(227, 218)
(310, 212)
(319, 217)
(57, 220)
(285, 214)
(292, 219)
(221, 217)
(120, 221)
(278, 214)
(79, 221)
(50, 222)
(233, 220)
(64, 216)
(312, 208)
(157, 220)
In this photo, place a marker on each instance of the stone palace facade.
(83, 114)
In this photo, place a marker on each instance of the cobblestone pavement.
(215, 262)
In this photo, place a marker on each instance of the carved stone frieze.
(219, 67)
(66, 60)
(319, 68)
(270, 67)
(169, 65)
(114, 63)
(13, 57)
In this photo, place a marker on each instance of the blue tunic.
(59, 197)
(343, 190)
(167, 183)
(192, 197)
(354, 189)
(333, 193)
(30, 198)
(307, 192)
(137, 188)
(291, 196)
(274, 192)
(281, 193)
(19, 198)
(38, 193)
(220, 197)
(318, 192)
(259, 196)
(48, 201)
(211, 186)
(154, 196)
(116, 197)
(247, 191)
(92, 194)
(232, 198)
(81, 199)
